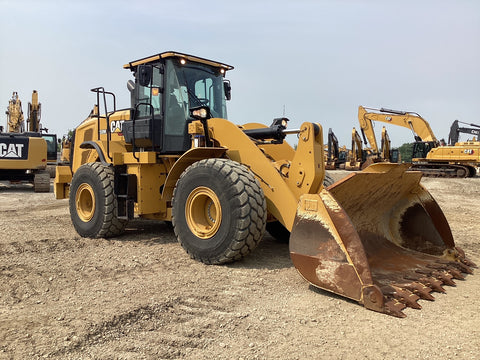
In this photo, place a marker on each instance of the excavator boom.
(410, 120)
(455, 131)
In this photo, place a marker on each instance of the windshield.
(195, 85)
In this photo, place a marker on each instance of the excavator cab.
(422, 148)
(52, 146)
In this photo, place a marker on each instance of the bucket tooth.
(445, 277)
(469, 263)
(459, 265)
(419, 289)
(402, 295)
(464, 259)
(456, 274)
(394, 307)
(431, 282)
(462, 267)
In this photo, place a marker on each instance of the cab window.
(150, 95)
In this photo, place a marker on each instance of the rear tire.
(93, 205)
(328, 180)
(218, 211)
(278, 231)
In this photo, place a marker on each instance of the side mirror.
(144, 74)
(130, 86)
(228, 89)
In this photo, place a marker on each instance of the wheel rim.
(85, 202)
(203, 212)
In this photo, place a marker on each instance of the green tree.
(406, 152)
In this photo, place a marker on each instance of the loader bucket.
(377, 237)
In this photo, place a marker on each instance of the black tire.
(328, 180)
(218, 211)
(93, 205)
(280, 232)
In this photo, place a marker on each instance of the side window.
(156, 91)
(142, 98)
(176, 103)
(150, 94)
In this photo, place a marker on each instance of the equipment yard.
(140, 296)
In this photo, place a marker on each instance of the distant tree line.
(406, 152)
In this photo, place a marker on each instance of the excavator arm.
(355, 156)
(409, 120)
(386, 145)
(333, 151)
(34, 113)
(455, 130)
(14, 113)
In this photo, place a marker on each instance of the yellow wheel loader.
(377, 236)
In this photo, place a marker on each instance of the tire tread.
(252, 211)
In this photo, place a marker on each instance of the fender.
(187, 159)
(95, 146)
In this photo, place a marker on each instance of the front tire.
(93, 205)
(218, 211)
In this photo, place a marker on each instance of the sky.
(308, 60)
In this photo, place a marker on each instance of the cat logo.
(116, 126)
(468, 151)
(11, 151)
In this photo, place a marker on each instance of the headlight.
(200, 113)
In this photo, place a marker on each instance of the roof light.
(183, 61)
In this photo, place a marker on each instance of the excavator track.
(443, 170)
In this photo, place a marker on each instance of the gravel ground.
(140, 296)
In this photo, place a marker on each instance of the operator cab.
(52, 146)
(422, 148)
(166, 87)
